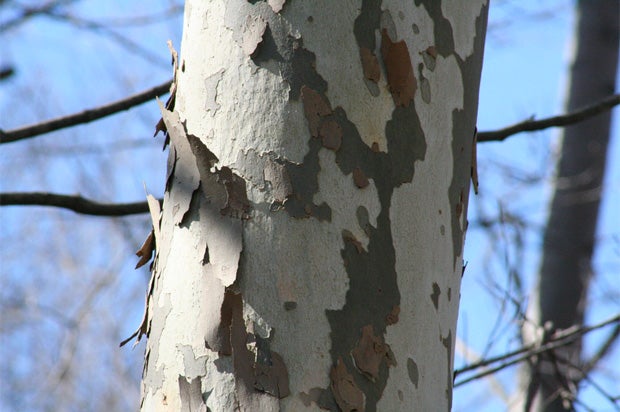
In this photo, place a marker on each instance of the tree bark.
(309, 247)
(569, 237)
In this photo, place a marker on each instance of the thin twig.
(120, 39)
(584, 375)
(531, 125)
(562, 338)
(603, 350)
(85, 116)
(78, 204)
(27, 13)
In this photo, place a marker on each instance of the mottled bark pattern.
(310, 240)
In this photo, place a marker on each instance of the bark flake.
(257, 368)
(330, 133)
(359, 178)
(253, 31)
(400, 77)
(146, 250)
(316, 107)
(277, 175)
(392, 317)
(276, 5)
(371, 351)
(190, 393)
(370, 64)
(348, 395)
(211, 83)
(237, 203)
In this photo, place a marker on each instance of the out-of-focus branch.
(120, 39)
(26, 13)
(562, 338)
(6, 72)
(76, 203)
(531, 125)
(85, 116)
(603, 350)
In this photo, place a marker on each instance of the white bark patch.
(211, 83)
(253, 33)
(276, 5)
(155, 212)
(338, 62)
(462, 16)
(422, 281)
(254, 122)
(185, 172)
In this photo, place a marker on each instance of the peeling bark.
(298, 241)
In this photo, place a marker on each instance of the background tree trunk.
(570, 233)
(309, 248)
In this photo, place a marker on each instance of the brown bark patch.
(370, 352)
(272, 378)
(257, 368)
(359, 178)
(331, 134)
(370, 64)
(392, 317)
(146, 250)
(315, 107)
(400, 77)
(346, 392)
(460, 205)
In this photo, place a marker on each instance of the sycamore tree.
(308, 248)
(308, 251)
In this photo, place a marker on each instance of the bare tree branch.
(561, 338)
(85, 116)
(121, 40)
(603, 350)
(6, 72)
(531, 125)
(76, 203)
(27, 12)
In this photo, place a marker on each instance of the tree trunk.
(309, 247)
(569, 236)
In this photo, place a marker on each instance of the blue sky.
(62, 69)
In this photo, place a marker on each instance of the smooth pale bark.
(309, 248)
(569, 239)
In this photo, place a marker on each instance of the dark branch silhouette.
(85, 116)
(76, 203)
(531, 125)
(85, 206)
(562, 338)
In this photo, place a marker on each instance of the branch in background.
(561, 338)
(603, 350)
(123, 41)
(76, 203)
(531, 125)
(27, 12)
(6, 72)
(85, 116)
